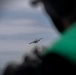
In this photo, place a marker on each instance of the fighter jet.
(35, 41)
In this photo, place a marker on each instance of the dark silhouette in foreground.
(29, 66)
(63, 14)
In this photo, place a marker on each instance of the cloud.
(17, 9)
(27, 30)
(20, 22)
(27, 26)
(17, 5)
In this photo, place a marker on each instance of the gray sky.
(20, 24)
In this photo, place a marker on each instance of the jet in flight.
(35, 41)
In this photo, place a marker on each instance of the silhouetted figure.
(61, 58)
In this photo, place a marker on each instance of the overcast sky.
(20, 24)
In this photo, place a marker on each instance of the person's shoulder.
(66, 45)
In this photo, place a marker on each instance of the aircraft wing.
(40, 39)
(31, 42)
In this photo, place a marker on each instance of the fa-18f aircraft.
(35, 41)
